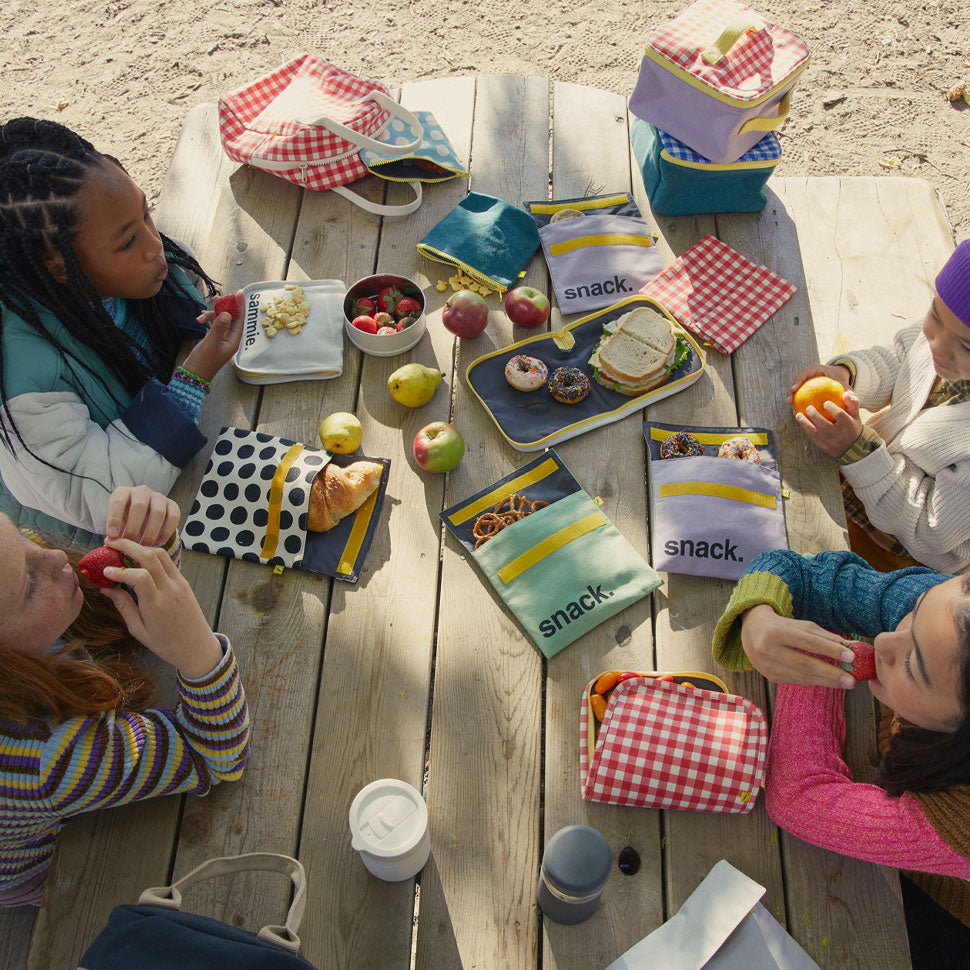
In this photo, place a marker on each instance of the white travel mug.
(389, 828)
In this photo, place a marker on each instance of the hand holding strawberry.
(92, 565)
(217, 347)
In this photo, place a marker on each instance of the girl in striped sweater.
(916, 816)
(77, 732)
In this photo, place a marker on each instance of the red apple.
(438, 447)
(527, 306)
(465, 314)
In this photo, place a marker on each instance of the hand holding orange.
(815, 392)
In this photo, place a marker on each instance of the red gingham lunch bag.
(680, 743)
(306, 122)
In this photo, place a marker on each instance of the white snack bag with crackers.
(291, 332)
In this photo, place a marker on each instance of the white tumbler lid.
(387, 818)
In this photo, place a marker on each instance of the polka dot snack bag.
(434, 160)
(253, 503)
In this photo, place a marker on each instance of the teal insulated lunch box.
(679, 182)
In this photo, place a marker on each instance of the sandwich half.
(638, 352)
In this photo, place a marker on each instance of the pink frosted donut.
(741, 448)
(526, 373)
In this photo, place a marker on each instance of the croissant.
(337, 492)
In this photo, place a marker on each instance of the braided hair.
(43, 166)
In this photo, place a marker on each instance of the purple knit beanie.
(953, 282)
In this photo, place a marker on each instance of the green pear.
(414, 384)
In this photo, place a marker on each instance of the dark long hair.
(43, 165)
(920, 760)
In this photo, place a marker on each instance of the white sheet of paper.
(721, 926)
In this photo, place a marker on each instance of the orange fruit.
(815, 392)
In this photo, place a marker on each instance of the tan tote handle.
(729, 37)
(284, 936)
(771, 122)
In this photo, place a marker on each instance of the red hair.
(94, 671)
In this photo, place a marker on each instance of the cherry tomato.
(597, 704)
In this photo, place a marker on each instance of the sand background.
(124, 73)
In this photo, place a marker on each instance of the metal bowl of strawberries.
(384, 314)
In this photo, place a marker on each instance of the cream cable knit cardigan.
(916, 486)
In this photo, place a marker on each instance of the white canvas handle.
(362, 141)
(284, 936)
(377, 208)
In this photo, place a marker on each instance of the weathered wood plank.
(16, 929)
(819, 884)
(590, 147)
(477, 893)
(374, 690)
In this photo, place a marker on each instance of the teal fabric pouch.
(488, 239)
(562, 568)
(680, 182)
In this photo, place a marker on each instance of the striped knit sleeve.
(96, 761)
(809, 791)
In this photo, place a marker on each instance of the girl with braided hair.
(95, 304)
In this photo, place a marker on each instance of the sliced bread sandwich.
(638, 352)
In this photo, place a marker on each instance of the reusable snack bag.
(562, 568)
(434, 160)
(530, 421)
(673, 744)
(253, 502)
(307, 121)
(155, 934)
(312, 354)
(484, 237)
(718, 78)
(712, 516)
(718, 294)
(679, 182)
(721, 926)
(601, 252)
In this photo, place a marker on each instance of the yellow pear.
(341, 433)
(414, 384)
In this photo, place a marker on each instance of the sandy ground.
(125, 72)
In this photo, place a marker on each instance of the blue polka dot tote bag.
(254, 500)
(434, 160)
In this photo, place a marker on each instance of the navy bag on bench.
(155, 935)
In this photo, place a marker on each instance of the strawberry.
(864, 667)
(403, 324)
(92, 565)
(407, 306)
(384, 320)
(387, 299)
(364, 323)
(364, 307)
(227, 304)
(386, 330)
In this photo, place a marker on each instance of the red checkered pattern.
(718, 294)
(663, 745)
(754, 64)
(321, 159)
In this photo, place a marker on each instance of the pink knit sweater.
(810, 792)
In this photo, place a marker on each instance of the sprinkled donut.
(526, 373)
(741, 448)
(681, 445)
(568, 385)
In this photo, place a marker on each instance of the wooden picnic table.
(418, 672)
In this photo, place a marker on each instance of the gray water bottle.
(575, 867)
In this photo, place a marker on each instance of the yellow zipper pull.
(563, 339)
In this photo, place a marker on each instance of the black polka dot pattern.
(230, 513)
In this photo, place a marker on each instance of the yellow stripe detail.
(716, 166)
(275, 498)
(549, 545)
(549, 208)
(696, 82)
(731, 492)
(709, 438)
(356, 539)
(491, 499)
(611, 239)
